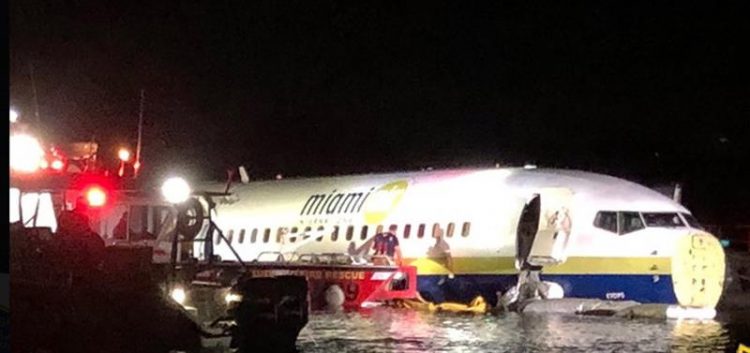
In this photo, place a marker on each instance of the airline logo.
(374, 205)
(384, 201)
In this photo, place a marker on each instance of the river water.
(399, 330)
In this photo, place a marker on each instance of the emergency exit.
(552, 236)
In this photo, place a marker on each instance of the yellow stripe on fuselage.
(613, 266)
(572, 266)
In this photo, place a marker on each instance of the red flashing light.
(96, 197)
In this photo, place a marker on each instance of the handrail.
(279, 255)
(221, 234)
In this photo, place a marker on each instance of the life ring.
(334, 296)
(190, 219)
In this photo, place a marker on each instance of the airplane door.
(553, 230)
(528, 224)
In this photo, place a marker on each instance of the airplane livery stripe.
(573, 265)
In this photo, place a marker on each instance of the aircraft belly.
(463, 288)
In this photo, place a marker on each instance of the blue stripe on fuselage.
(464, 288)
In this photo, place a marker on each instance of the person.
(386, 244)
(85, 247)
(561, 222)
(441, 252)
(281, 235)
(121, 229)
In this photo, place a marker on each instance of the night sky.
(302, 88)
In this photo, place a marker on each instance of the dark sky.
(654, 94)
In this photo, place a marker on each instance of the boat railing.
(341, 259)
(270, 256)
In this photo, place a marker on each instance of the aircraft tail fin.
(244, 178)
(677, 195)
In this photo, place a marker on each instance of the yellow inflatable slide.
(477, 306)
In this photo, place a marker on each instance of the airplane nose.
(698, 270)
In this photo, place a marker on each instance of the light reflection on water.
(398, 330)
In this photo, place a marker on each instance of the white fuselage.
(489, 201)
(478, 211)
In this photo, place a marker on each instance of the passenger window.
(254, 235)
(435, 229)
(451, 228)
(630, 222)
(420, 231)
(334, 234)
(319, 235)
(363, 233)
(218, 239)
(230, 235)
(407, 230)
(266, 235)
(349, 232)
(242, 236)
(466, 229)
(293, 234)
(606, 220)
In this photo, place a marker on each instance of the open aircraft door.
(553, 230)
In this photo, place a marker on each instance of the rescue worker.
(441, 252)
(83, 248)
(121, 229)
(386, 245)
(561, 221)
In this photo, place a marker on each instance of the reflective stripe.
(381, 276)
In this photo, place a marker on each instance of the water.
(399, 330)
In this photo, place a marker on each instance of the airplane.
(588, 235)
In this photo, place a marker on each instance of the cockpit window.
(630, 222)
(663, 220)
(606, 220)
(692, 221)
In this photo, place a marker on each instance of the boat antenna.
(137, 164)
(33, 89)
(230, 176)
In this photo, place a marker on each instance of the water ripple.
(396, 330)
